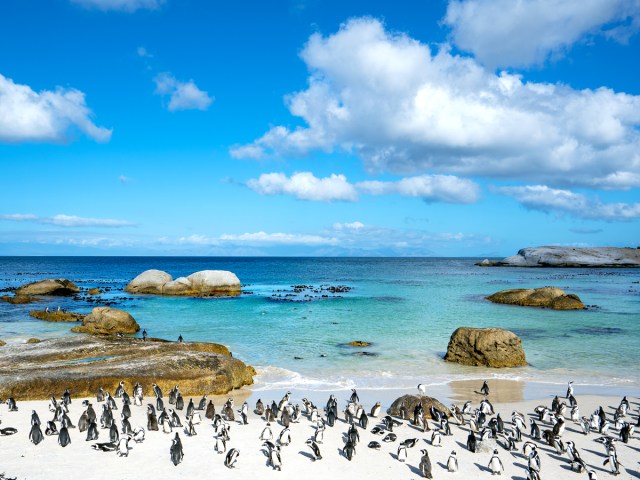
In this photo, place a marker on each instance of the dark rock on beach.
(107, 321)
(407, 403)
(57, 286)
(490, 347)
(547, 297)
(83, 364)
(555, 256)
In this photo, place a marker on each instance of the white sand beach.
(20, 459)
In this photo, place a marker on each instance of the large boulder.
(205, 283)
(83, 364)
(555, 256)
(18, 299)
(547, 297)
(490, 347)
(55, 316)
(51, 286)
(107, 321)
(404, 406)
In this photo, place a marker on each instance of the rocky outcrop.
(95, 291)
(34, 340)
(359, 343)
(546, 297)
(55, 316)
(205, 283)
(553, 256)
(18, 299)
(83, 364)
(57, 286)
(107, 321)
(2, 344)
(404, 406)
(490, 347)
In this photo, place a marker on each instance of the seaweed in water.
(599, 330)
(529, 333)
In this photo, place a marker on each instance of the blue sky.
(309, 127)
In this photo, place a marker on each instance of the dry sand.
(21, 459)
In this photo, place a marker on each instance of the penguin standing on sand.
(63, 437)
(612, 459)
(175, 451)
(190, 408)
(35, 419)
(349, 450)
(259, 410)
(100, 395)
(114, 436)
(484, 390)
(452, 462)
(569, 389)
(203, 403)
(267, 434)
(152, 421)
(211, 410)
(35, 435)
(375, 410)
(425, 464)
(92, 432)
(232, 458)
(495, 464)
(318, 436)
(402, 453)
(179, 401)
(157, 390)
(315, 449)
(471, 442)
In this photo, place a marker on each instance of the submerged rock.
(2, 344)
(407, 403)
(95, 291)
(199, 284)
(555, 256)
(18, 299)
(83, 364)
(34, 340)
(107, 321)
(57, 286)
(359, 343)
(490, 347)
(547, 297)
(55, 316)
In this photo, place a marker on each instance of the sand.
(21, 459)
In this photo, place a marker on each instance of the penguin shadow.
(518, 478)
(519, 465)
(599, 454)
(633, 473)
(633, 448)
(442, 465)
(483, 468)
(307, 455)
(414, 470)
(556, 457)
(462, 445)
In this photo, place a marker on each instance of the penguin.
(484, 390)
(152, 421)
(495, 464)
(274, 458)
(175, 451)
(126, 425)
(285, 437)
(535, 429)
(157, 391)
(126, 410)
(106, 419)
(452, 462)
(318, 436)
(436, 439)
(35, 435)
(105, 447)
(390, 437)
(11, 403)
(100, 395)
(138, 395)
(409, 442)
(354, 396)
(179, 401)
(172, 395)
(445, 427)
(576, 461)
(555, 403)
(189, 429)
(211, 410)
(221, 444)
(315, 449)
(114, 436)
(375, 410)
(244, 413)
(175, 419)
(92, 432)
(349, 450)
(51, 428)
(190, 408)
(422, 389)
(35, 419)
(267, 434)
(285, 419)
(353, 435)
(401, 455)
(425, 464)
(83, 422)
(231, 458)
(418, 413)
(558, 428)
(259, 410)
(374, 445)
(625, 432)
(331, 418)
(363, 421)
(592, 475)
(119, 390)
(126, 399)
(138, 435)
(111, 403)
(66, 421)
(569, 389)
(471, 442)
(91, 413)
(123, 446)
(180, 339)
(533, 463)
(612, 459)
(202, 405)
(63, 437)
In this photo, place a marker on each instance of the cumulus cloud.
(29, 116)
(62, 220)
(349, 226)
(305, 186)
(182, 95)
(143, 52)
(545, 199)
(260, 238)
(403, 108)
(508, 33)
(120, 5)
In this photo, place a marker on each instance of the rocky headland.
(205, 283)
(570, 257)
(489, 347)
(85, 363)
(545, 297)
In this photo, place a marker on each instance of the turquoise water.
(407, 308)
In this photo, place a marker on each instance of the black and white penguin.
(569, 389)
(110, 401)
(409, 442)
(157, 391)
(119, 390)
(175, 451)
(232, 457)
(172, 395)
(221, 444)
(126, 411)
(91, 413)
(190, 407)
(138, 394)
(375, 410)
(35, 419)
(558, 428)
(211, 410)
(318, 436)
(11, 403)
(349, 450)
(202, 405)
(577, 464)
(126, 425)
(123, 446)
(92, 432)
(484, 390)
(422, 389)
(401, 455)
(105, 447)
(285, 437)
(363, 421)
(65, 421)
(126, 399)
(244, 413)
(452, 462)
(63, 437)
(436, 439)
(190, 429)
(259, 410)
(425, 464)
(152, 420)
(495, 464)
(100, 395)
(175, 419)
(390, 438)
(114, 436)
(354, 396)
(138, 435)
(51, 428)
(535, 429)
(353, 435)
(285, 419)
(331, 418)
(267, 434)
(179, 401)
(375, 445)
(471, 442)
(592, 475)
(106, 419)
(315, 449)
(275, 460)
(612, 459)
(35, 435)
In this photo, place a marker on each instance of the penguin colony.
(109, 429)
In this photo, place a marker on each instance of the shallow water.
(407, 308)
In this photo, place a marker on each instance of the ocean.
(296, 316)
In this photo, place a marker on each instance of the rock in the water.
(359, 343)
(490, 347)
(199, 284)
(107, 321)
(409, 402)
(55, 316)
(2, 344)
(83, 364)
(18, 299)
(57, 286)
(547, 297)
(554, 256)
(95, 291)
(34, 340)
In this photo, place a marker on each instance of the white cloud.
(349, 226)
(510, 33)
(120, 5)
(62, 220)
(259, 238)
(442, 188)
(543, 198)
(124, 179)
(305, 186)
(388, 99)
(182, 95)
(29, 116)
(143, 52)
